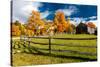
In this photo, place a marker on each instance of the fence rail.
(65, 38)
(71, 51)
(62, 44)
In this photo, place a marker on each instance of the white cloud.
(44, 14)
(49, 20)
(22, 9)
(69, 11)
(73, 22)
(92, 17)
(77, 20)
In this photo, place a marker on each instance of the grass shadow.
(39, 52)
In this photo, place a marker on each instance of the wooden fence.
(27, 39)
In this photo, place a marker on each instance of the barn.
(81, 28)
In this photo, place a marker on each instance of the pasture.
(37, 51)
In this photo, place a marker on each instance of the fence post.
(29, 43)
(49, 45)
(24, 41)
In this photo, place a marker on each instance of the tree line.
(36, 26)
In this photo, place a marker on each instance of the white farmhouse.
(91, 27)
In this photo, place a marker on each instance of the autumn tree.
(62, 24)
(35, 19)
(73, 28)
(15, 30)
(69, 27)
(17, 23)
(60, 27)
(35, 23)
(23, 27)
(60, 21)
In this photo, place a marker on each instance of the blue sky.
(22, 10)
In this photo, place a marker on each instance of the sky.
(22, 10)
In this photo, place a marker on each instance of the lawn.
(36, 54)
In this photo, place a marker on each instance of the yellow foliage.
(15, 30)
(29, 32)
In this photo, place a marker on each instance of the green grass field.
(38, 54)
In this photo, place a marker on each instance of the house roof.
(91, 25)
